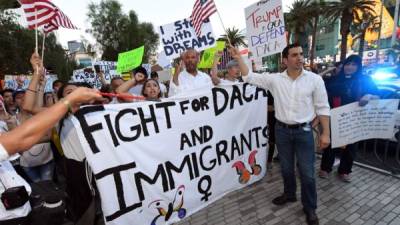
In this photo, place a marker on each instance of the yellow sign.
(387, 24)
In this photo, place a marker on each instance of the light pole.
(396, 23)
(380, 31)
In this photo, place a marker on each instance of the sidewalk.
(371, 198)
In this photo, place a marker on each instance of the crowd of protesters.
(32, 121)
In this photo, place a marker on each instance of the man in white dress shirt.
(300, 96)
(189, 78)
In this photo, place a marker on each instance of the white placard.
(88, 75)
(265, 28)
(178, 36)
(352, 123)
(156, 163)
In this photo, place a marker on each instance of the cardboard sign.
(265, 28)
(178, 36)
(130, 60)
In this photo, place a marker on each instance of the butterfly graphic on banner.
(243, 172)
(166, 210)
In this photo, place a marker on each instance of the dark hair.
(78, 84)
(55, 82)
(116, 78)
(20, 91)
(338, 63)
(106, 89)
(153, 74)
(353, 59)
(47, 93)
(140, 69)
(7, 90)
(285, 52)
(144, 86)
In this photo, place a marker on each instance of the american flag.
(50, 27)
(225, 58)
(202, 10)
(38, 12)
(47, 15)
(62, 20)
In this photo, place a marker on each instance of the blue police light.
(383, 75)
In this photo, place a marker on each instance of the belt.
(291, 126)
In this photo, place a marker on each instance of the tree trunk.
(345, 23)
(362, 43)
(314, 41)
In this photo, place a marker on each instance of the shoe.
(311, 217)
(323, 174)
(281, 200)
(345, 177)
(269, 166)
(276, 159)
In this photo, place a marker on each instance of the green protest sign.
(130, 60)
(207, 58)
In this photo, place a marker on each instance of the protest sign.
(17, 82)
(178, 36)
(109, 68)
(352, 123)
(156, 163)
(88, 75)
(207, 59)
(130, 60)
(265, 28)
(163, 61)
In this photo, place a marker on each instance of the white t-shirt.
(224, 81)
(39, 154)
(9, 178)
(72, 148)
(188, 82)
(3, 153)
(136, 90)
(163, 89)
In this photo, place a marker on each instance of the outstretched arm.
(30, 132)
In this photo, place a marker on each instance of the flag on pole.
(45, 13)
(62, 20)
(38, 12)
(50, 27)
(202, 10)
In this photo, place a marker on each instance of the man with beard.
(188, 78)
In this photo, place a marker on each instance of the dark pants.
(271, 135)
(347, 157)
(297, 143)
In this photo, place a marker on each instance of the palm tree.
(297, 18)
(316, 9)
(363, 23)
(235, 37)
(347, 11)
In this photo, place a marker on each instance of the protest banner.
(207, 58)
(18, 82)
(156, 163)
(87, 75)
(352, 123)
(178, 36)
(265, 28)
(109, 69)
(130, 60)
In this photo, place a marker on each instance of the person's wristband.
(31, 90)
(67, 103)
